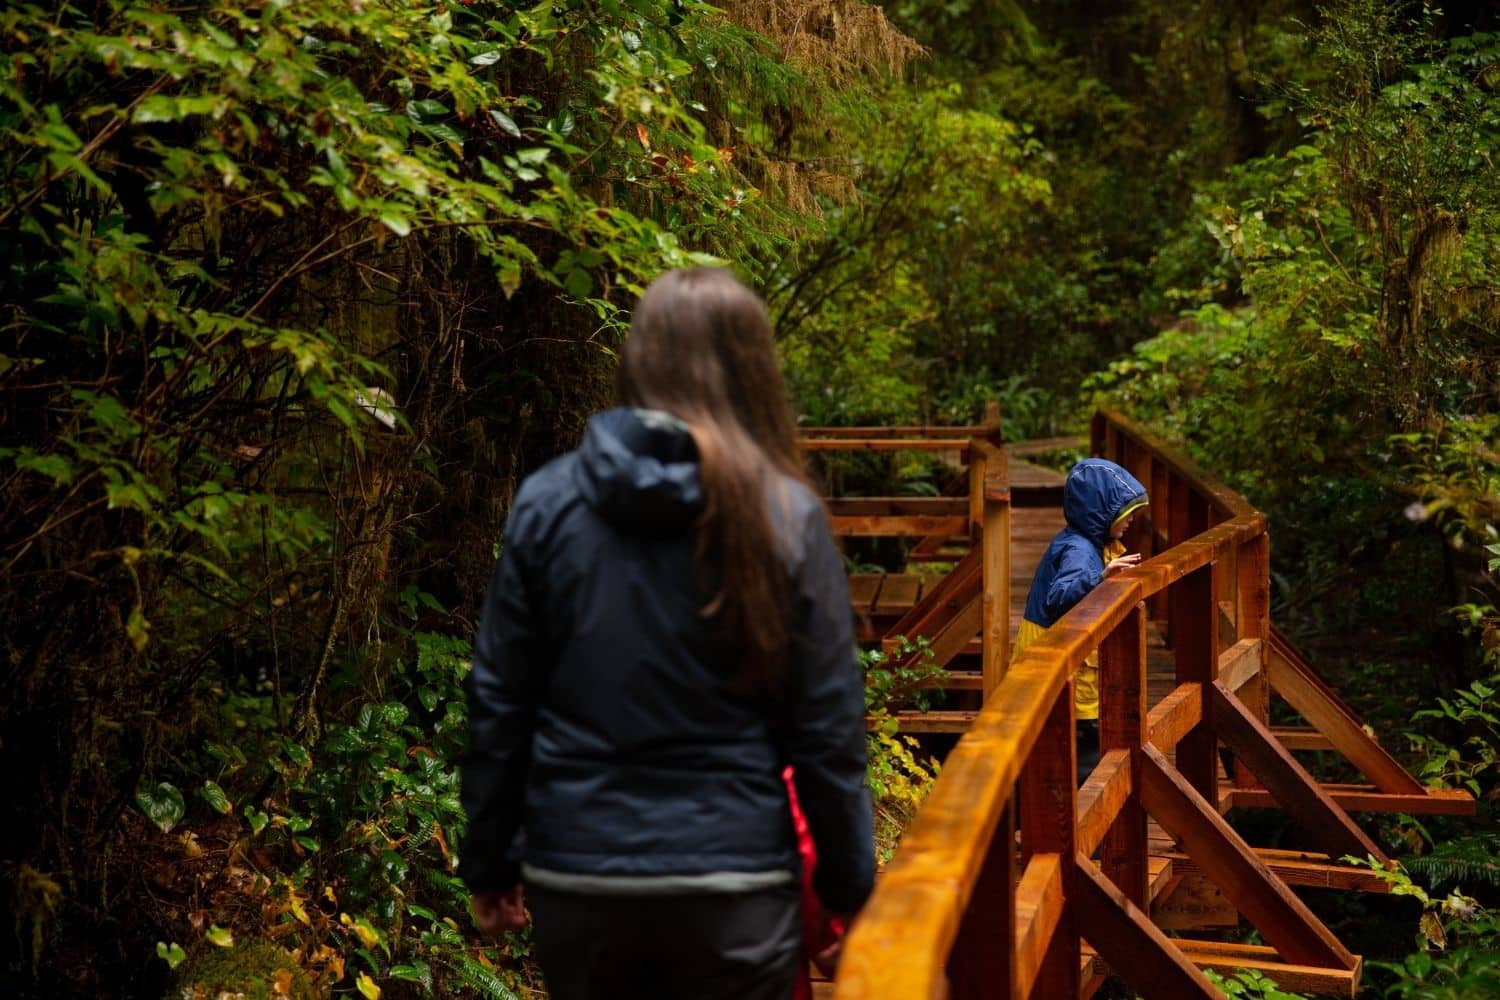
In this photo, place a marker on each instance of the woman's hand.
(498, 912)
(1122, 563)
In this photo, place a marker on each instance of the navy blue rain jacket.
(604, 718)
(1097, 493)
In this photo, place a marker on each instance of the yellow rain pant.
(1086, 679)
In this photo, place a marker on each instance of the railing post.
(983, 960)
(1049, 823)
(1122, 714)
(1195, 643)
(992, 485)
(1253, 613)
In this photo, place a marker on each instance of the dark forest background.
(294, 294)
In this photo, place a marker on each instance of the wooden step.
(1363, 798)
(1225, 958)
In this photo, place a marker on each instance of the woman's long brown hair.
(700, 348)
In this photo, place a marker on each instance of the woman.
(668, 627)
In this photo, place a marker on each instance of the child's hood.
(1096, 493)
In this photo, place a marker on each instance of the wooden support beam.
(1174, 716)
(1039, 907)
(1307, 693)
(1101, 798)
(1127, 939)
(1122, 720)
(1048, 824)
(1287, 780)
(1225, 958)
(1365, 798)
(1282, 918)
(942, 600)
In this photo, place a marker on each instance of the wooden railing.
(961, 910)
(975, 598)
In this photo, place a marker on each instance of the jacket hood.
(639, 470)
(1096, 494)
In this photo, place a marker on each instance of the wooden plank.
(1240, 663)
(1100, 799)
(1174, 716)
(1282, 918)
(1132, 945)
(884, 444)
(1194, 903)
(1043, 446)
(864, 588)
(1303, 868)
(1039, 906)
(935, 721)
(1287, 780)
(1295, 682)
(1122, 718)
(1366, 798)
(1301, 738)
(1048, 824)
(895, 525)
(898, 595)
(1226, 957)
(896, 506)
(914, 431)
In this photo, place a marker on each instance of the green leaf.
(172, 953)
(219, 936)
(506, 123)
(397, 224)
(216, 799)
(163, 805)
(486, 58)
(578, 284)
(533, 155)
(426, 110)
(257, 820)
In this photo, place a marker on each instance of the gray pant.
(735, 946)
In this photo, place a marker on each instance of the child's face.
(1118, 531)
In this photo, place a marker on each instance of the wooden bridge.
(1011, 884)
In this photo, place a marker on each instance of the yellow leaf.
(328, 895)
(368, 936)
(282, 985)
(367, 986)
(295, 905)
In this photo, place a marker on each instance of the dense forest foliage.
(295, 293)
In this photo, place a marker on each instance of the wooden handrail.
(950, 913)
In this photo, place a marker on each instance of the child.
(1100, 499)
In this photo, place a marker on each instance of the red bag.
(818, 932)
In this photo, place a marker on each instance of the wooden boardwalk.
(1189, 663)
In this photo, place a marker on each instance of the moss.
(254, 970)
